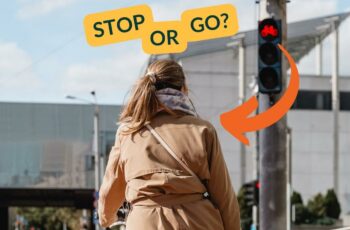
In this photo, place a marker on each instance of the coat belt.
(168, 200)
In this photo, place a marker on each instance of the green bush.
(296, 198)
(245, 211)
(301, 214)
(320, 210)
(316, 206)
(332, 205)
(325, 221)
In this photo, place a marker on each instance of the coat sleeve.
(112, 191)
(220, 187)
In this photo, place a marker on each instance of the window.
(320, 100)
(345, 101)
(314, 100)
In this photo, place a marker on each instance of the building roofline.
(56, 103)
(296, 35)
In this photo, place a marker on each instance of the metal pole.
(241, 99)
(319, 54)
(255, 160)
(272, 147)
(335, 105)
(289, 177)
(256, 166)
(96, 150)
(95, 147)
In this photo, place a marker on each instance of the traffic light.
(269, 62)
(251, 192)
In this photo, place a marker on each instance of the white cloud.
(16, 69)
(109, 77)
(32, 8)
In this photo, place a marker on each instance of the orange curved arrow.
(237, 122)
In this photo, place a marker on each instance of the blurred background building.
(46, 156)
(49, 145)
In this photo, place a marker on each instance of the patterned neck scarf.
(176, 100)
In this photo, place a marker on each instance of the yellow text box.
(160, 37)
(117, 25)
(210, 22)
(164, 37)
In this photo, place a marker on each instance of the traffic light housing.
(251, 193)
(269, 56)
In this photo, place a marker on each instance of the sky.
(44, 55)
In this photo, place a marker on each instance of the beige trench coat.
(163, 194)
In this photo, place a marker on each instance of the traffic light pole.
(272, 142)
(241, 98)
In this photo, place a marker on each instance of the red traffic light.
(269, 56)
(268, 29)
(257, 184)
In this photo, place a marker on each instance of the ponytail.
(143, 103)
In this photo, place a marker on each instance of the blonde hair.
(143, 103)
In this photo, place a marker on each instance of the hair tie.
(152, 76)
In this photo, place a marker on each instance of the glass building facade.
(50, 145)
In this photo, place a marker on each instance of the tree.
(51, 218)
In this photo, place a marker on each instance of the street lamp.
(95, 142)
